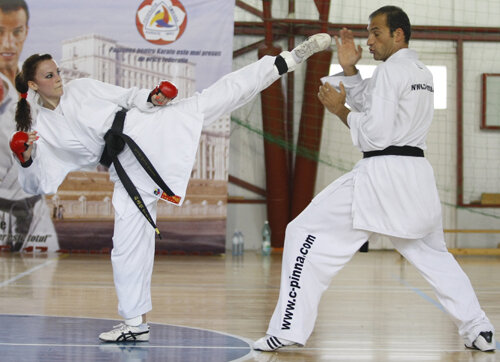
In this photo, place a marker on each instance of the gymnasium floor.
(209, 308)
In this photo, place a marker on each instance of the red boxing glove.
(19, 144)
(2, 90)
(168, 89)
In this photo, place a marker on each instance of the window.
(439, 73)
(490, 106)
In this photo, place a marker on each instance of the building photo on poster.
(131, 47)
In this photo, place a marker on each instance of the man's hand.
(334, 101)
(348, 53)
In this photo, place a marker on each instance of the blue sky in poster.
(209, 28)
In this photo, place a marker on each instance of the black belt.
(396, 151)
(29, 202)
(115, 143)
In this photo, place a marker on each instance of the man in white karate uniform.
(25, 219)
(391, 191)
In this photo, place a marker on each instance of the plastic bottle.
(241, 243)
(266, 239)
(235, 243)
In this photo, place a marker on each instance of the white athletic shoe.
(125, 333)
(484, 342)
(314, 44)
(271, 343)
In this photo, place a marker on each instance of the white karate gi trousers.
(321, 240)
(132, 258)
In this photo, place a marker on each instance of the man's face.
(380, 40)
(13, 32)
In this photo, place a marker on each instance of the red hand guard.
(2, 91)
(168, 89)
(19, 144)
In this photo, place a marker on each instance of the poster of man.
(186, 42)
(25, 223)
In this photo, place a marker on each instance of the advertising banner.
(129, 43)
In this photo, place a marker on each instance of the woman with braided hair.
(87, 122)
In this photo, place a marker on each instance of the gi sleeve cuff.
(27, 163)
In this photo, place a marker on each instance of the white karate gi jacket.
(72, 138)
(393, 195)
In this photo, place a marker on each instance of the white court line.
(27, 272)
(115, 346)
(140, 346)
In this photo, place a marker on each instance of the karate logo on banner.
(161, 21)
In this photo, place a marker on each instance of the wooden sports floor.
(209, 308)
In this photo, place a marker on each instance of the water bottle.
(241, 243)
(235, 243)
(266, 239)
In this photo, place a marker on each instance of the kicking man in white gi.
(70, 129)
(391, 191)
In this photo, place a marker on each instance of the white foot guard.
(125, 333)
(314, 44)
(484, 342)
(271, 343)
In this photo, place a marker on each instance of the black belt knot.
(396, 151)
(115, 141)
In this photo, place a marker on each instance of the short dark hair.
(13, 5)
(396, 18)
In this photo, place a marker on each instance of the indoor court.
(210, 308)
(213, 288)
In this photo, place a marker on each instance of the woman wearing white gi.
(392, 191)
(69, 131)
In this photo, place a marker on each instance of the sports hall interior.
(210, 302)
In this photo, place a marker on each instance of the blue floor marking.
(429, 299)
(30, 338)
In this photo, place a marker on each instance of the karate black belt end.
(396, 151)
(115, 141)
